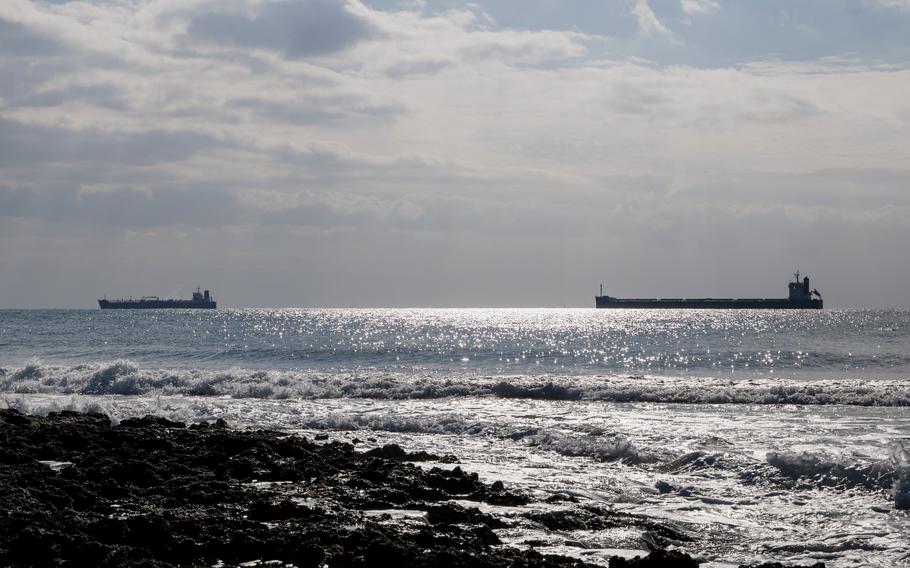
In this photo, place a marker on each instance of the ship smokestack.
(206, 295)
(806, 285)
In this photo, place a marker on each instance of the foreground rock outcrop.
(75, 490)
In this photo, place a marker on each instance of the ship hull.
(157, 305)
(609, 302)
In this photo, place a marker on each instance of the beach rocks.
(657, 559)
(779, 565)
(395, 452)
(153, 492)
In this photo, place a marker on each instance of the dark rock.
(779, 565)
(656, 559)
(150, 421)
(154, 493)
(13, 417)
(561, 498)
(450, 514)
(389, 452)
(262, 510)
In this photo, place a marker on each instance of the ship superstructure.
(801, 297)
(201, 301)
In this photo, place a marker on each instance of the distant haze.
(442, 153)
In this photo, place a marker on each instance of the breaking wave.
(900, 460)
(821, 469)
(124, 377)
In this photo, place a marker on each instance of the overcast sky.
(443, 153)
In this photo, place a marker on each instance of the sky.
(514, 153)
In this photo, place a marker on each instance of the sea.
(761, 435)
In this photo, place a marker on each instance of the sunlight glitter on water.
(495, 340)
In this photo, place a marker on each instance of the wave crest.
(900, 460)
(127, 378)
(820, 469)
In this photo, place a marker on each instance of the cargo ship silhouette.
(800, 298)
(200, 301)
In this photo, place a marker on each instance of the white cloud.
(648, 24)
(691, 7)
(415, 5)
(896, 4)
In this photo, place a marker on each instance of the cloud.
(316, 108)
(20, 40)
(33, 145)
(339, 210)
(437, 142)
(122, 209)
(98, 94)
(522, 47)
(417, 5)
(648, 24)
(691, 7)
(893, 4)
(416, 66)
(297, 28)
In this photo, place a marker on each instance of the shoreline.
(152, 492)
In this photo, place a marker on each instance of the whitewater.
(761, 435)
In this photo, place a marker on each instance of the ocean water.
(763, 435)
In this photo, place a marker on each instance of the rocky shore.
(75, 490)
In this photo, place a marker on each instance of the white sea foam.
(124, 377)
(900, 459)
(825, 470)
(604, 446)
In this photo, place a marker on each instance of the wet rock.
(396, 452)
(389, 451)
(657, 559)
(451, 514)
(262, 510)
(560, 520)
(150, 421)
(154, 493)
(497, 494)
(657, 533)
(779, 565)
(561, 498)
(14, 418)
